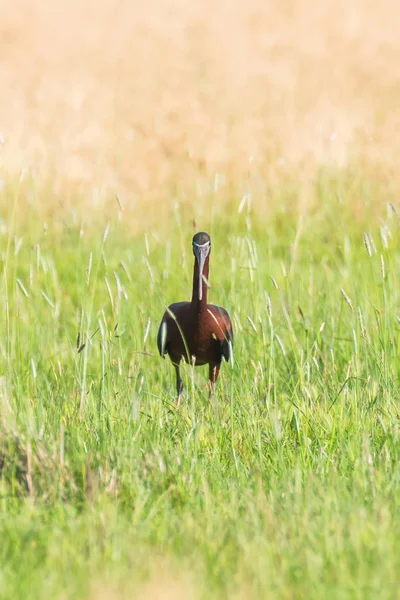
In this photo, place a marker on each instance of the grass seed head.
(367, 244)
(346, 298)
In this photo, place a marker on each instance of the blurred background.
(146, 100)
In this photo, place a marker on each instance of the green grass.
(286, 486)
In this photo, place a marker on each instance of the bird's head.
(201, 249)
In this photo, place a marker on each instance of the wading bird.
(196, 332)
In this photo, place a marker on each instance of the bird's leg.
(213, 376)
(179, 385)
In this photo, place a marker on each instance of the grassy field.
(286, 485)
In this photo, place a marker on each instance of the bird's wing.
(225, 333)
(162, 336)
(167, 326)
(227, 344)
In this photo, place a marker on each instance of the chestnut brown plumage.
(195, 331)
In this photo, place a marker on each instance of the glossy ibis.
(196, 332)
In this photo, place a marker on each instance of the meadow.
(127, 127)
(285, 485)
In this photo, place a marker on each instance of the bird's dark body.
(196, 332)
(205, 334)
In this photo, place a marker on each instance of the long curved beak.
(201, 253)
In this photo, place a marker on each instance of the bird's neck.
(201, 305)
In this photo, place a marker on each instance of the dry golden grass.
(159, 587)
(147, 99)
